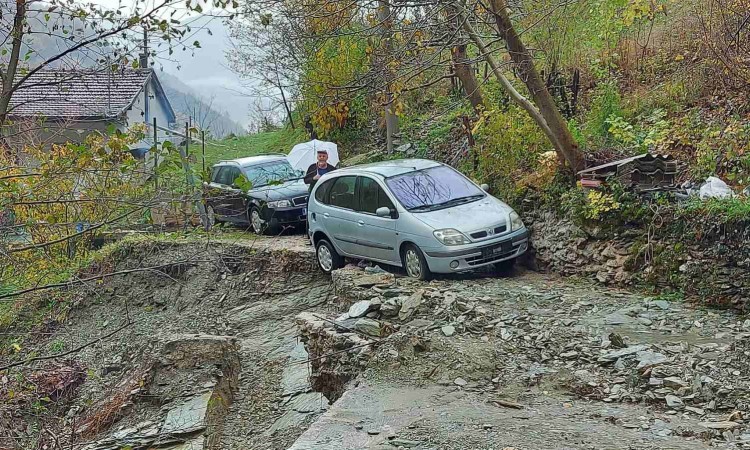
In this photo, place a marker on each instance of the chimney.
(143, 57)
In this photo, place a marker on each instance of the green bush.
(606, 103)
(510, 147)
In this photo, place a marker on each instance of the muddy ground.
(249, 292)
(524, 361)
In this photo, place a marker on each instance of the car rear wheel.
(415, 263)
(209, 220)
(257, 223)
(327, 256)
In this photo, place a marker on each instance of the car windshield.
(270, 173)
(433, 188)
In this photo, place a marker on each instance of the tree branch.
(71, 236)
(69, 352)
(96, 277)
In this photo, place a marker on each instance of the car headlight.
(450, 236)
(515, 221)
(279, 204)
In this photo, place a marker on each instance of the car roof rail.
(258, 154)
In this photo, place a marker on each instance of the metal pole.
(187, 139)
(156, 159)
(189, 177)
(203, 148)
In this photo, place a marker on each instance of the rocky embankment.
(247, 345)
(666, 375)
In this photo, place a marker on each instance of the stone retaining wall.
(707, 262)
(335, 356)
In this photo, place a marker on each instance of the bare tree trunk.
(522, 101)
(462, 67)
(465, 73)
(283, 95)
(8, 77)
(526, 70)
(391, 120)
(286, 107)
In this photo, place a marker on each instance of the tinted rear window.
(321, 193)
(342, 192)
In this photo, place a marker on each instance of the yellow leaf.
(679, 58)
(16, 347)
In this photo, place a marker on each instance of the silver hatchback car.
(412, 213)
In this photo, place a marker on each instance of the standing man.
(318, 169)
(314, 172)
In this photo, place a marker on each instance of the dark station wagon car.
(264, 192)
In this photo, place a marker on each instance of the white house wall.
(137, 114)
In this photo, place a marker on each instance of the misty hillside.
(206, 113)
(41, 44)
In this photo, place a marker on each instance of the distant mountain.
(204, 111)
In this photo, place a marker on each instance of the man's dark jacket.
(312, 171)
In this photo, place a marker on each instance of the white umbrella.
(304, 154)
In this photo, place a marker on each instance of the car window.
(225, 176)
(270, 173)
(434, 188)
(372, 196)
(342, 192)
(229, 174)
(321, 194)
(216, 174)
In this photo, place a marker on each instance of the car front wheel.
(415, 263)
(327, 256)
(257, 223)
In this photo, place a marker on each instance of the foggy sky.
(205, 69)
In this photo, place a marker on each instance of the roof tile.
(78, 94)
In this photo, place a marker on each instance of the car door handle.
(326, 215)
(361, 223)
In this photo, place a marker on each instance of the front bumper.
(477, 255)
(285, 216)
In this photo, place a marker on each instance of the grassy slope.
(280, 141)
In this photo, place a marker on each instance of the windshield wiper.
(447, 204)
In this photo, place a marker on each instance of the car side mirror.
(383, 211)
(485, 187)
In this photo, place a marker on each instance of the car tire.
(505, 267)
(415, 263)
(257, 224)
(327, 256)
(210, 220)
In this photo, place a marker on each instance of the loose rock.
(360, 308)
(369, 327)
(448, 330)
(726, 425)
(410, 304)
(674, 402)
